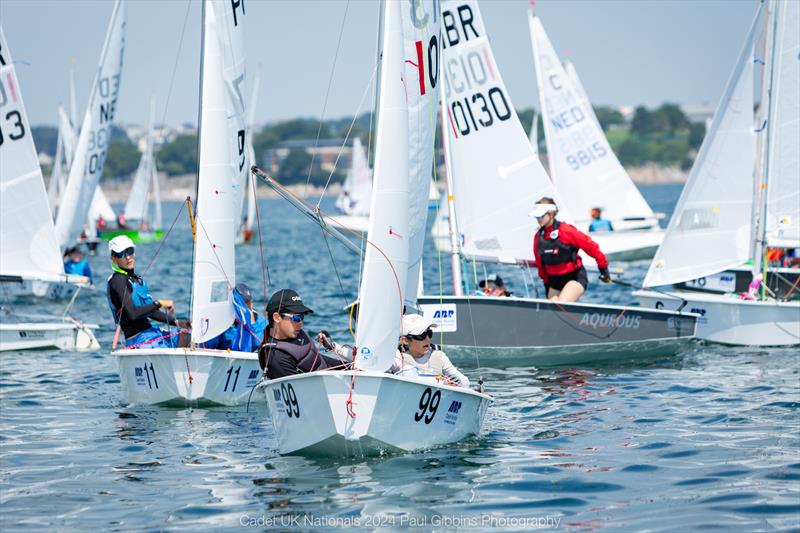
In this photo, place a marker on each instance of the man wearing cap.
(555, 249)
(287, 349)
(417, 357)
(131, 304)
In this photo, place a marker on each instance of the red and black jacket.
(556, 248)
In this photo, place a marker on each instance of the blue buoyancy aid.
(140, 293)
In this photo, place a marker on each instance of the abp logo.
(444, 313)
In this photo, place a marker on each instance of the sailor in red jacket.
(555, 248)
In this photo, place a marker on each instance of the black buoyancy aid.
(302, 351)
(553, 251)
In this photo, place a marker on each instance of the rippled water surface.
(708, 439)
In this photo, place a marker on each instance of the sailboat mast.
(763, 168)
(452, 225)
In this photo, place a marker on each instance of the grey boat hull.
(532, 331)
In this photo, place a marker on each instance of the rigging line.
(175, 65)
(347, 136)
(327, 94)
(335, 269)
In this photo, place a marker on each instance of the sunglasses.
(296, 317)
(428, 333)
(124, 253)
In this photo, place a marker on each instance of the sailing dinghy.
(83, 177)
(366, 411)
(195, 375)
(354, 199)
(493, 150)
(143, 215)
(29, 248)
(742, 195)
(582, 164)
(245, 232)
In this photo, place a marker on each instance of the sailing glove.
(605, 277)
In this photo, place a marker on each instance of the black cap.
(287, 300)
(494, 278)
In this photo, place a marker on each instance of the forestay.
(95, 135)
(222, 161)
(710, 229)
(581, 160)
(357, 189)
(27, 234)
(783, 167)
(386, 257)
(496, 175)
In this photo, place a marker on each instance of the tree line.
(663, 135)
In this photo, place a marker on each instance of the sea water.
(707, 439)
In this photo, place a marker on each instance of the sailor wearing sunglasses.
(132, 306)
(417, 357)
(287, 349)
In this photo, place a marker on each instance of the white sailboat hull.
(177, 376)
(727, 319)
(67, 336)
(47, 287)
(392, 413)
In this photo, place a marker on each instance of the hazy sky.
(626, 52)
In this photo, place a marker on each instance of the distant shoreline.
(179, 187)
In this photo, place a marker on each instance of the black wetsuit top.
(293, 356)
(134, 318)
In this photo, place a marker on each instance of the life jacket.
(600, 224)
(139, 295)
(301, 351)
(553, 251)
(434, 366)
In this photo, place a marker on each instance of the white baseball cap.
(416, 324)
(540, 210)
(120, 243)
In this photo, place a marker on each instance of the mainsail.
(710, 229)
(783, 128)
(136, 208)
(222, 161)
(496, 175)
(386, 258)
(27, 234)
(65, 152)
(581, 160)
(95, 135)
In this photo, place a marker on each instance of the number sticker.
(235, 381)
(428, 404)
(290, 400)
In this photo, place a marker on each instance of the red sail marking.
(488, 63)
(13, 89)
(420, 67)
(452, 124)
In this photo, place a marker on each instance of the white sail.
(710, 229)
(27, 234)
(66, 128)
(356, 191)
(533, 135)
(496, 175)
(57, 174)
(422, 50)
(136, 206)
(783, 127)
(386, 258)
(95, 136)
(100, 207)
(582, 164)
(65, 152)
(222, 162)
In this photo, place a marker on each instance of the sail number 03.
(12, 124)
(428, 404)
